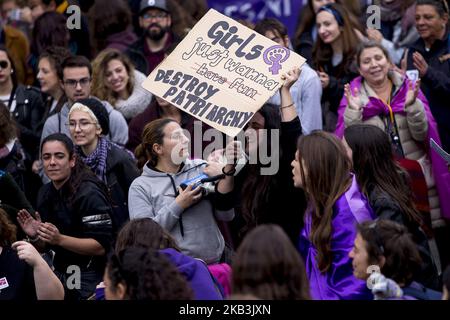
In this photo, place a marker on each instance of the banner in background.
(222, 72)
(287, 11)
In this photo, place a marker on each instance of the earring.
(12, 71)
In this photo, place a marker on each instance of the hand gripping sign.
(222, 73)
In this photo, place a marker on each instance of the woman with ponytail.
(188, 213)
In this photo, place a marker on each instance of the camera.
(202, 180)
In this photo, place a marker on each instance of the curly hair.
(268, 266)
(145, 233)
(99, 69)
(8, 230)
(8, 129)
(147, 275)
(391, 240)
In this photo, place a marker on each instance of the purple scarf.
(338, 282)
(376, 107)
(96, 161)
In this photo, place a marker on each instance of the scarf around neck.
(96, 161)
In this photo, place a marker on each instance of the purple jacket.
(197, 274)
(376, 107)
(338, 283)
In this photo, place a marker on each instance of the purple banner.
(287, 11)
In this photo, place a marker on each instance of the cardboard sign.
(222, 72)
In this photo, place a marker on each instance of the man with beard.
(149, 50)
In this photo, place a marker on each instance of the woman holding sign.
(169, 191)
(267, 196)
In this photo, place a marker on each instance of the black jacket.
(12, 198)
(284, 204)
(88, 215)
(28, 114)
(435, 84)
(121, 170)
(386, 208)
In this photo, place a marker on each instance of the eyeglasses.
(157, 16)
(73, 83)
(83, 125)
(378, 241)
(4, 64)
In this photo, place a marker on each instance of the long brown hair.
(326, 176)
(323, 52)
(8, 230)
(153, 133)
(268, 266)
(374, 166)
(99, 69)
(8, 129)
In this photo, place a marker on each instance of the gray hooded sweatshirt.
(152, 195)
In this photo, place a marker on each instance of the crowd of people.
(104, 193)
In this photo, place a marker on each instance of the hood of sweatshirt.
(197, 274)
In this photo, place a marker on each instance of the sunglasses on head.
(4, 64)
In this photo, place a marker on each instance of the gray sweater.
(152, 195)
(118, 128)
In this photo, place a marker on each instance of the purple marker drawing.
(275, 56)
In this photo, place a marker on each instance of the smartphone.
(412, 75)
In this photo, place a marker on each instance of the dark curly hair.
(391, 240)
(8, 230)
(268, 266)
(145, 233)
(8, 129)
(147, 275)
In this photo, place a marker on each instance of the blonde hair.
(81, 107)
(99, 69)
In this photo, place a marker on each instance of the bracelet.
(289, 105)
(229, 173)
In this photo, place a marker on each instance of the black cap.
(100, 112)
(157, 4)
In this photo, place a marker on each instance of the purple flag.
(287, 11)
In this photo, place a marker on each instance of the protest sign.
(222, 72)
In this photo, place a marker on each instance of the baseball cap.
(157, 4)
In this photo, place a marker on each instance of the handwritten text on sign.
(222, 72)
